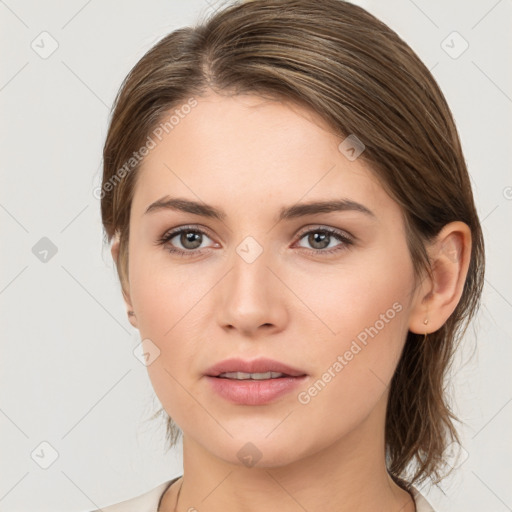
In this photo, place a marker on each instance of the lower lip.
(254, 392)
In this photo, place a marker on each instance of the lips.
(283, 379)
(261, 365)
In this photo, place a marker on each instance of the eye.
(190, 239)
(320, 239)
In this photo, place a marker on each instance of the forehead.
(245, 150)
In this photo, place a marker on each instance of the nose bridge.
(249, 297)
(249, 275)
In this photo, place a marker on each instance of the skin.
(251, 157)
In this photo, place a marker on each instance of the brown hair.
(341, 62)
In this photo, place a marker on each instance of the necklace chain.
(178, 496)
(181, 484)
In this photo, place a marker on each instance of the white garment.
(149, 501)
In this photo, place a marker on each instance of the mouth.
(257, 369)
(256, 382)
(252, 376)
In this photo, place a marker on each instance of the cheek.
(165, 296)
(364, 320)
(342, 302)
(169, 302)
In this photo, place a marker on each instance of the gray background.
(68, 374)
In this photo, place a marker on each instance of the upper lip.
(261, 365)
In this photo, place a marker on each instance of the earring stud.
(425, 322)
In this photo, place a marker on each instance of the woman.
(295, 234)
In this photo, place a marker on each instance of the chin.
(257, 449)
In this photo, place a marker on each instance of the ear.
(437, 298)
(114, 250)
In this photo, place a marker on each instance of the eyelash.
(167, 237)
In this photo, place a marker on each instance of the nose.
(250, 298)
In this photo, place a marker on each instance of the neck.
(345, 476)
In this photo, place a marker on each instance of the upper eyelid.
(330, 229)
(176, 231)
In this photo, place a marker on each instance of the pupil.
(319, 238)
(191, 238)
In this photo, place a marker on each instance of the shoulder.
(422, 505)
(147, 502)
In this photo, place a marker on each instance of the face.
(324, 291)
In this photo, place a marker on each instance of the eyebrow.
(289, 212)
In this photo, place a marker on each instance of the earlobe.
(438, 297)
(129, 311)
(114, 250)
(132, 318)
